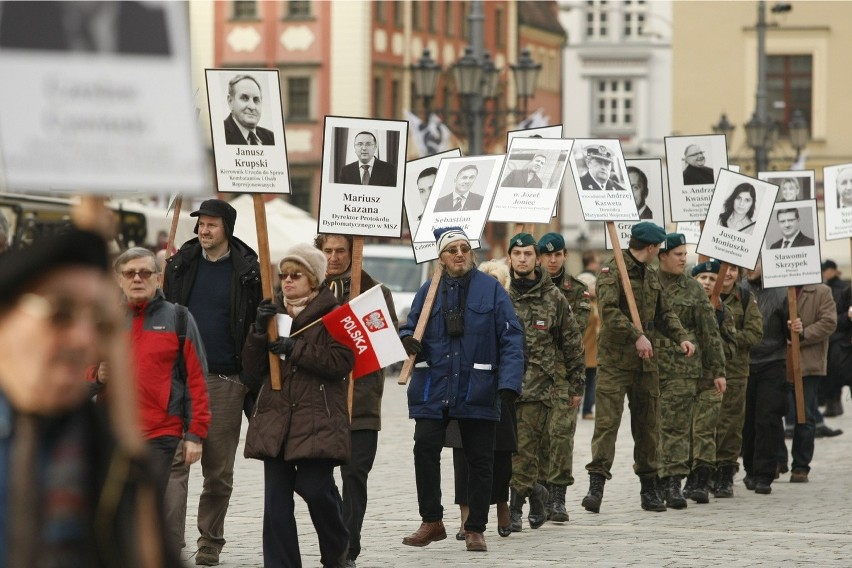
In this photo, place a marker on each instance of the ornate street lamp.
(799, 131)
(526, 77)
(425, 74)
(723, 126)
(468, 74)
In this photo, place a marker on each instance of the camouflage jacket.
(554, 344)
(617, 339)
(692, 306)
(578, 297)
(749, 324)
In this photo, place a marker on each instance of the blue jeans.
(803, 434)
(589, 395)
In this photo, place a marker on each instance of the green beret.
(674, 240)
(521, 240)
(709, 266)
(551, 242)
(648, 232)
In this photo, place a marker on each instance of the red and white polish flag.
(365, 326)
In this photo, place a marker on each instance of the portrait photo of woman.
(789, 190)
(738, 211)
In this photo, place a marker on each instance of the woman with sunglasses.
(301, 432)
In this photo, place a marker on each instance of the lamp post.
(799, 132)
(724, 126)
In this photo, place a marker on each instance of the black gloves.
(411, 345)
(508, 395)
(266, 310)
(282, 346)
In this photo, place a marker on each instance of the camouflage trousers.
(642, 389)
(705, 418)
(556, 450)
(533, 419)
(729, 427)
(677, 401)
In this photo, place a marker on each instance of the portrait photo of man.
(368, 169)
(791, 235)
(461, 198)
(696, 172)
(599, 162)
(527, 177)
(639, 185)
(245, 100)
(425, 181)
(843, 183)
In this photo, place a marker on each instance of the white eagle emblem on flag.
(375, 321)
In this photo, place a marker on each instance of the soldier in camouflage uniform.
(552, 252)
(681, 380)
(627, 366)
(748, 322)
(554, 378)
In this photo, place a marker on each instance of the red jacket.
(166, 406)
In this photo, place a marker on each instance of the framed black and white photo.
(837, 185)
(108, 108)
(363, 173)
(600, 177)
(693, 164)
(531, 179)
(737, 217)
(793, 185)
(247, 129)
(646, 183)
(462, 194)
(791, 252)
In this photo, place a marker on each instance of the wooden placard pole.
(170, 245)
(266, 282)
(354, 291)
(420, 328)
(622, 272)
(795, 357)
(717, 287)
(703, 257)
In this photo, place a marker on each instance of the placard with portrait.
(600, 178)
(837, 186)
(693, 164)
(791, 250)
(646, 183)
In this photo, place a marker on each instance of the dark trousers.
(354, 476)
(499, 482)
(803, 434)
(478, 441)
(839, 365)
(162, 452)
(313, 480)
(763, 430)
(589, 395)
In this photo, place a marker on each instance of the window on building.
(298, 98)
(245, 10)
(300, 190)
(395, 99)
(614, 104)
(597, 12)
(499, 25)
(635, 12)
(789, 87)
(465, 11)
(379, 109)
(450, 19)
(380, 11)
(397, 14)
(297, 9)
(432, 15)
(416, 21)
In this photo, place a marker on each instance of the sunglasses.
(144, 274)
(294, 276)
(455, 250)
(63, 312)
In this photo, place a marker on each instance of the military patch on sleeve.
(567, 284)
(605, 269)
(540, 324)
(586, 294)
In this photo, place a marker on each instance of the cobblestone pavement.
(806, 524)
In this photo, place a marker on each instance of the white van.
(394, 266)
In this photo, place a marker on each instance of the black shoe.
(649, 497)
(749, 482)
(763, 486)
(724, 482)
(592, 500)
(689, 485)
(548, 503)
(823, 431)
(700, 493)
(833, 408)
(538, 497)
(671, 492)
(516, 511)
(558, 513)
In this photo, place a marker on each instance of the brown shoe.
(799, 476)
(427, 533)
(475, 541)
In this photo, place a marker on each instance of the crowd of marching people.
(509, 355)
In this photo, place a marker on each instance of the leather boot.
(426, 534)
(724, 482)
(689, 485)
(671, 491)
(649, 496)
(557, 500)
(548, 503)
(516, 510)
(592, 500)
(700, 494)
(538, 497)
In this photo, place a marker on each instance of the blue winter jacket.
(463, 374)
